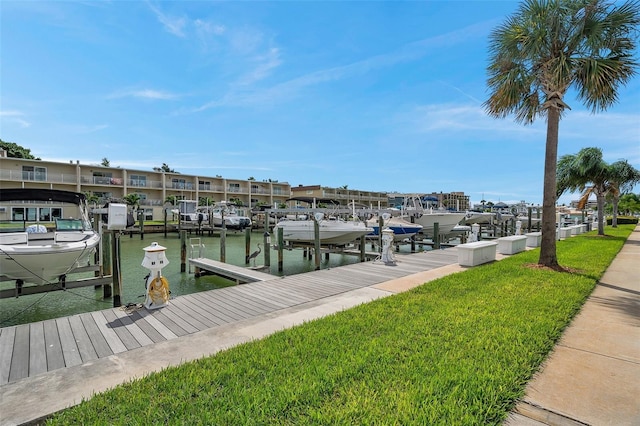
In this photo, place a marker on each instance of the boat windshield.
(69, 225)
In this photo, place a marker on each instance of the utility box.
(117, 217)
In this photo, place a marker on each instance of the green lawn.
(458, 350)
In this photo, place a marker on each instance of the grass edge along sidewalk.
(458, 350)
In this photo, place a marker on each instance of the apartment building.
(112, 183)
(343, 195)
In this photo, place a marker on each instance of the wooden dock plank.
(141, 337)
(205, 310)
(229, 271)
(221, 311)
(98, 341)
(85, 347)
(162, 329)
(174, 316)
(70, 351)
(166, 321)
(190, 304)
(20, 356)
(188, 312)
(55, 359)
(125, 336)
(112, 338)
(257, 292)
(37, 351)
(7, 338)
(241, 302)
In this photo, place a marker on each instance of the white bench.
(512, 244)
(534, 239)
(476, 253)
(564, 233)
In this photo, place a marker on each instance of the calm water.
(38, 307)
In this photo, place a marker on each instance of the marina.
(30, 349)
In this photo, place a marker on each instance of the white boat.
(38, 255)
(472, 217)
(446, 220)
(401, 228)
(333, 231)
(190, 212)
(234, 216)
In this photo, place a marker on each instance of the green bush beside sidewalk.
(458, 350)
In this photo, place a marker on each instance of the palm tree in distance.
(587, 173)
(622, 180)
(543, 50)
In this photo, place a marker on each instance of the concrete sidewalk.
(592, 376)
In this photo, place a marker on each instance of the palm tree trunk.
(600, 201)
(614, 219)
(548, 255)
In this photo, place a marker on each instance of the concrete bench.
(564, 233)
(534, 239)
(576, 229)
(476, 253)
(512, 245)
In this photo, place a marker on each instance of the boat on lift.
(427, 217)
(332, 230)
(401, 228)
(234, 216)
(41, 255)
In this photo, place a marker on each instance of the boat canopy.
(31, 194)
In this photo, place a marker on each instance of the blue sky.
(379, 96)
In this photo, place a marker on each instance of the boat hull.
(446, 222)
(41, 262)
(331, 232)
(401, 228)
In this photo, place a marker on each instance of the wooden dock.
(31, 349)
(236, 273)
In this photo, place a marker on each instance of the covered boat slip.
(31, 349)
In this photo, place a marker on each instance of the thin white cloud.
(143, 94)
(290, 88)
(173, 25)
(15, 117)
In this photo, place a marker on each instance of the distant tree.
(164, 168)
(92, 198)
(171, 199)
(344, 187)
(16, 151)
(543, 50)
(623, 177)
(105, 162)
(587, 173)
(132, 200)
(629, 204)
(251, 178)
(205, 201)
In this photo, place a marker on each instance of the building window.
(138, 180)
(34, 173)
(234, 187)
(178, 183)
(102, 178)
(204, 185)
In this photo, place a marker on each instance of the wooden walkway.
(30, 349)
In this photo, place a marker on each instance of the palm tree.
(587, 173)
(132, 199)
(623, 177)
(547, 47)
